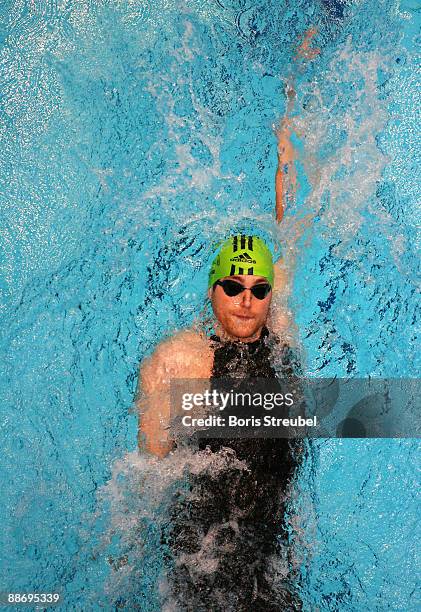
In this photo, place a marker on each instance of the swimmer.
(243, 281)
(225, 532)
(241, 295)
(245, 508)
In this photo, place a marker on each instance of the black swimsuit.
(235, 516)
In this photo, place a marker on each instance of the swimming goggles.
(232, 288)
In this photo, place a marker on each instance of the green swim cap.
(242, 255)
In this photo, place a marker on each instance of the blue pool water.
(132, 134)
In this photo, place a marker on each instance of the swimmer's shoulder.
(186, 354)
(185, 343)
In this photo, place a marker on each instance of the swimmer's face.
(241, 316)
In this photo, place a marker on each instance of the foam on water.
(140, 496)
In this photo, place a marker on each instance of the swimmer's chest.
(213, 359)
(221, 363)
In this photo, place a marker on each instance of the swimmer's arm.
(279, 189)
(286, 176)
(305, 50)
(285, 190)
(187, 355)
(281, 320)
(153, 403)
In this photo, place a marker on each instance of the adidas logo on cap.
(244, 258)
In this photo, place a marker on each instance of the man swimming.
(242, 283)
(227, 535)
(224, 534)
